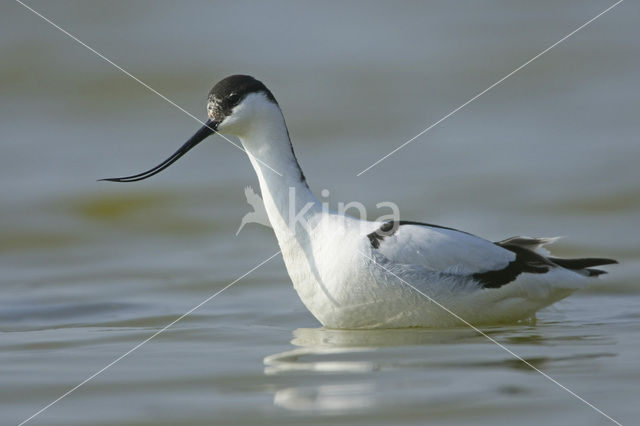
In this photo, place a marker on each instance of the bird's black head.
(230, 92)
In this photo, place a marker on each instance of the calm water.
(88, 269)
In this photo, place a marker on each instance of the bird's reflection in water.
(340, 362)
(326, 398)
(344, 371)
(326, 350)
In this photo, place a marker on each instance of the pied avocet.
(352, 273)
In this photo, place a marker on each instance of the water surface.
(91, 269)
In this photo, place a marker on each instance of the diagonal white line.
(145, 85)
(275, 254)
(163, 329)
(476, 329)
(491, 87)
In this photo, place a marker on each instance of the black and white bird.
(352, 273)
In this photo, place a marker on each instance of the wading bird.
(352, 273)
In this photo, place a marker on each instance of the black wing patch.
(525, 261)
(386, 230)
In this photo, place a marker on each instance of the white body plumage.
(345, 282)
(352, 273)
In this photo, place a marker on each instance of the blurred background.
(88, 269)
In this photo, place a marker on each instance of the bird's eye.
(233, 98)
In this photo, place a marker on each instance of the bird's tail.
(582, 266)
(585, 265)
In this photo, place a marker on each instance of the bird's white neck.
(291, 206)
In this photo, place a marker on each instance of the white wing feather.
(443, 250)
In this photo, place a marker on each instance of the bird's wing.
(446, 250)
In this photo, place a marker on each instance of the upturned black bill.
(206, 130)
